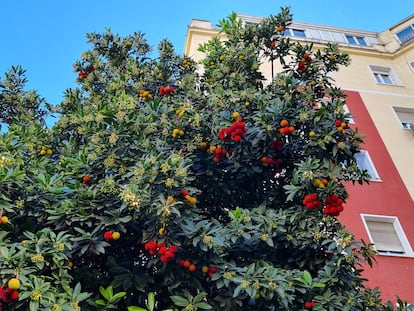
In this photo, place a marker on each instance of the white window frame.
(369, 165)
(384, 75)
(356, 40)
(291, 32)
(404, 121)
(399, 232)
(412, 65)
(410, 34)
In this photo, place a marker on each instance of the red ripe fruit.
(86, 179)
(185, 192)
(14, 295)
(108, 235)
(169, 255)
(181, 262)
(163, 258)
(150, 245)
(273, 44)
(338, 123)
(173, 248)
(302, 66)
(309, 305)
(161, 244)
(162, 250)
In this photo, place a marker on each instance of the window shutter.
(384, 236)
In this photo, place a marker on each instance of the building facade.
(379, 84)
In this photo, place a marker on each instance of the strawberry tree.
(200, 189)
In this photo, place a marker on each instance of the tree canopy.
(167, 184)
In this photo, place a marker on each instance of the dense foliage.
(169, 184)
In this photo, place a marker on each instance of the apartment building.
(380, 88)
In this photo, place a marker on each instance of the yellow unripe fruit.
(4, 219)
(246, 104)
(235, 115)
(204, 269)
(316, 182)
(321, 185)
(162, 231)
(43, 152)
(13, 283)
(311, 134)
(212, 148)
(343, 125)
(49, 152)
(116, 235)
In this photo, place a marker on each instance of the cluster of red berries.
(165, 252)
(187, 264)
(341, 125)
(209, 271)
(166, 90)
(333, 205)
(219, 153)
(311, 201)
(285, 129)
(303, 63)
(310, 304)
(8, 295)
(83, 74)
(234, 132)
(267, 161)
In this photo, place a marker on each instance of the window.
(356, 40)
(364, 162)
(295, 32)
(406, 34)
(405, 116)
(384, 75)
(412, 65)
(386, 233)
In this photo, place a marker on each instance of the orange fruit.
(192, 267)
(204, 269)
(284, 123)
(4, 219)
(186, 264)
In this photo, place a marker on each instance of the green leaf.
(307, 277)
(204, 306)
(179, 301)
(151, 301)
(133, 308)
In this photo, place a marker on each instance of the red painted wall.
(393, 275)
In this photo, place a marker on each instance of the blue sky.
(47, 36)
